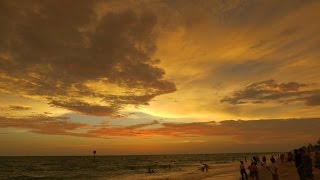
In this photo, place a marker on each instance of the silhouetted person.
(150, 170)
(298, 163)
(264, 159)
(272, 158)
(273, 167)
(94, 156)
(243, 170)
(251, 169)
(205, 167)
(307, 165)
(256, 170)
(281, 157)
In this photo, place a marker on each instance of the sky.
(158, 76)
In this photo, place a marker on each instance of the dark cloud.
(86, 108)
(270, 90)
(19, 108)
(52, 49)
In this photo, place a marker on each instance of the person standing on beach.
(272, 158)
(256, 170)
(243, 170)
(274, 170)
(298, 163)
(251, 171)
(281, 157)
(307, 165)
(264, 160)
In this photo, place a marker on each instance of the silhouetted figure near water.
(150, 170)
(205, 167)
(94, 156)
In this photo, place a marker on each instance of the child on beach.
(243, 170)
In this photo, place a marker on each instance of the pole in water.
(94, 156)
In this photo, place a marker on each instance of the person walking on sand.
(298, 163)
(273, 167)
(243, 170)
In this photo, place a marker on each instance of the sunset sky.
(158, 76)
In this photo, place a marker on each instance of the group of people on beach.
(254, 170)
(303, 164)
(301, 158)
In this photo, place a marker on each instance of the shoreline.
(227, 171)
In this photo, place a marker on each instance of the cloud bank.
(270, 90)
(240, 131)
(54, 50)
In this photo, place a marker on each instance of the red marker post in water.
(94, 156)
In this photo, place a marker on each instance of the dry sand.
(230, 171)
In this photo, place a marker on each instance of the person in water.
(243, 170)
(205, 167)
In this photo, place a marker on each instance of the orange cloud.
(44, 125)
(263, 131)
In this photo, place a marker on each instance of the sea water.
(188, 166)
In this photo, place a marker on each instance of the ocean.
(188, 166)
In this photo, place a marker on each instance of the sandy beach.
(230, 171)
